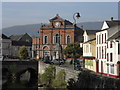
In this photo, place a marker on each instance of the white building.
(113, 53)
(89, 49)
(101, 47)
(88, 36)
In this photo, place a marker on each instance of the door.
(97, 66)
(101, 66)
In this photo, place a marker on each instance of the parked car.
(1, 58)
(58, 61)
(78, 65)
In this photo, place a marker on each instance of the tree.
(48, 76)
(59, 81)
(73, 50)
(23, 52)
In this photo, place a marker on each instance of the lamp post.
(59, 49)
(75, 15)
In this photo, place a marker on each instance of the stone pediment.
(56, 18)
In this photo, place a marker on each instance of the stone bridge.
(15, 69)
(70, 73)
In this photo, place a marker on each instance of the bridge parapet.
(69, 73)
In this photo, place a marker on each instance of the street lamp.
(75, 15)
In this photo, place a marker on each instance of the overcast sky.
(20, 13)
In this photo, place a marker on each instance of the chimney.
(111, 18)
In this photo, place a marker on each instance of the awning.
(88, 57)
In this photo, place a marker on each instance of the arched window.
(45, 39)
(57, 39)
(68, 39)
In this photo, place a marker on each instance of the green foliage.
(48, 76)
(73, 50)
(91, 80)
(50, 79)
(23, 52)
(39, 79)
(59, 81)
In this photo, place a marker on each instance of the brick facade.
(48, 37)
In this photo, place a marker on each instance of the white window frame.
(107, 68)
(112, 69)
(48, 51)
(54, 38)
(44, 39)
(67, 39)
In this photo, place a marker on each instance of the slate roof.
(113, 30)
(68, 22)
(4, 36)
(90, 40)
(21, 43)
(113, 23)
(115, 36)
(97, 25)
(90, 32)
(16, 37)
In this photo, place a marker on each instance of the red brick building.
(55, 37)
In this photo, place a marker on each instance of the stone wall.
(69, 73)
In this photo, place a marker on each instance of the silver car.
(57, 61)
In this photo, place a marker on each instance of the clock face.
(57, 24)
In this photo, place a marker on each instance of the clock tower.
(55, 37)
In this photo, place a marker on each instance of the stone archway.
(46, 52)
(57, 52)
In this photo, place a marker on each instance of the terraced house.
(89, 49)
(105, 52)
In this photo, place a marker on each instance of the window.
(110, 44)
(111, 57)
(99, 39)
(105, 52)
(107, 56)
(102, 52)
(112, 69)
(37, 46)
(108, 68)
(102, 38)
(105, 37)
(97, 52)
(45, 39)
(107, 44)
(68, 39)
(118, 48)
(57, 39)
